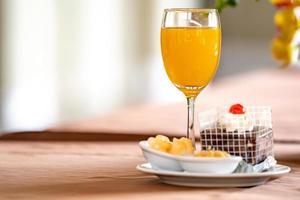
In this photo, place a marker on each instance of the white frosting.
(236, 122)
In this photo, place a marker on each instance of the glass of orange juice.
(191, 45)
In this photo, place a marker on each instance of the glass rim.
(190, 10)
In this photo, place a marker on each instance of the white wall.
(65, 60)
(29, 97)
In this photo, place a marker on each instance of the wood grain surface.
(106, 170)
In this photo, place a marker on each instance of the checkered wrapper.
(249, 135)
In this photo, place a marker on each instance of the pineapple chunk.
(178, 147)
(162, 138)
(160, 143)
(182, 146)
(211, 153)
(221, 154)
(188, 145)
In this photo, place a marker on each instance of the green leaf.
(221, 4)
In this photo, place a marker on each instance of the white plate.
(214, 180)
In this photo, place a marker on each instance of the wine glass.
(191, 45)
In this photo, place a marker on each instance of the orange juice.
(191, 56)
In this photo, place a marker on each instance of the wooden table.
(106, 170)
(96, 159)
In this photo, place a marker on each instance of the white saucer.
(214, 180)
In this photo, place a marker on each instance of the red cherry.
(237, 109)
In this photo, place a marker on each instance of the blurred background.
(66, 60)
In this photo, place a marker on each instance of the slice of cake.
(240, 131)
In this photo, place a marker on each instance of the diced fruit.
(180, 146)
(160, 143)
(221, 154)
(189, 149)
(211, 153)
(204, 154)
(162, 138)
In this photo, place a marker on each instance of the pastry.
(240, 132)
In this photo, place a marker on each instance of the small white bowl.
(166, 161)
(225, 165)
(159, 159)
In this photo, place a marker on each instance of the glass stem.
(190, 121)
